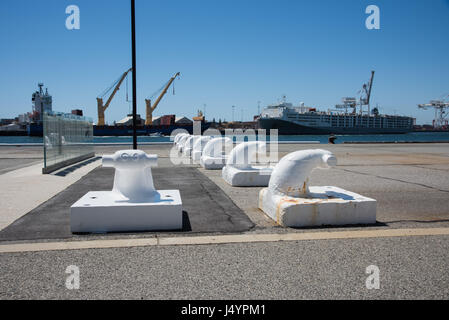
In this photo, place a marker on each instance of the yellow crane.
(150, 108)
(102, 108)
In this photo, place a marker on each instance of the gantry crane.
(440, 107)
(365, 96)
(102, 108)
(150, 108)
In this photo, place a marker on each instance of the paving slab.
(11, 164)
(24, 189)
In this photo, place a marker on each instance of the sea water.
(407, 137)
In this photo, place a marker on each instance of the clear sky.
(233, 52)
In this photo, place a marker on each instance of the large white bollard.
(198, 147)
(178, 136)
(291, 202)
(182, 141)
(214, 157)
(239, 171)
(133, 204)
(188, 145)
(133, 178)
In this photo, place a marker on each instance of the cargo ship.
(292, 120)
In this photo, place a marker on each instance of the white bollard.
(239, 171)
(133, 178)
(213, 157)
(291, 174)
(188, 145)
(198, 147)
(177, 137)
(182, 141)
(291, 202)
(133, 204)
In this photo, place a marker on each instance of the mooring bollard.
(291, 175)
(133, 178)
(177, 137)
(188, 145)
(198, 147)
(213, 157)
(291, 202)
(182, 141)
(133, 204)
(239, 171)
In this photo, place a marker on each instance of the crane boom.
(102, 108)
(150, 108)
(370, 87)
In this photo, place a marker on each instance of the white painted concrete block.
(255, 176)
(213, 163)
(291, 202)
(324, 206)
(109, 211)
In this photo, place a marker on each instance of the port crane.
(150, 108)
(114, 87)
(440, 107)
(351, 102)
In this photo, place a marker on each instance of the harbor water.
(377, 138)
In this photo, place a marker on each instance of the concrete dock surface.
(409, 244)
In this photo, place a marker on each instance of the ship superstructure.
(42, 102)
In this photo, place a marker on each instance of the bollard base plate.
(213, 163)
(252, 177)
(324, 206)
(108, 211)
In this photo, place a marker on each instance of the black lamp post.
(133, 36)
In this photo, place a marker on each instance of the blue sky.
(234, 52)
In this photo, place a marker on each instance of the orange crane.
(150, 108)
(102, 108)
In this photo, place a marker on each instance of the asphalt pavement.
(409, 268)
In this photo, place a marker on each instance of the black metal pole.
(133, 36)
